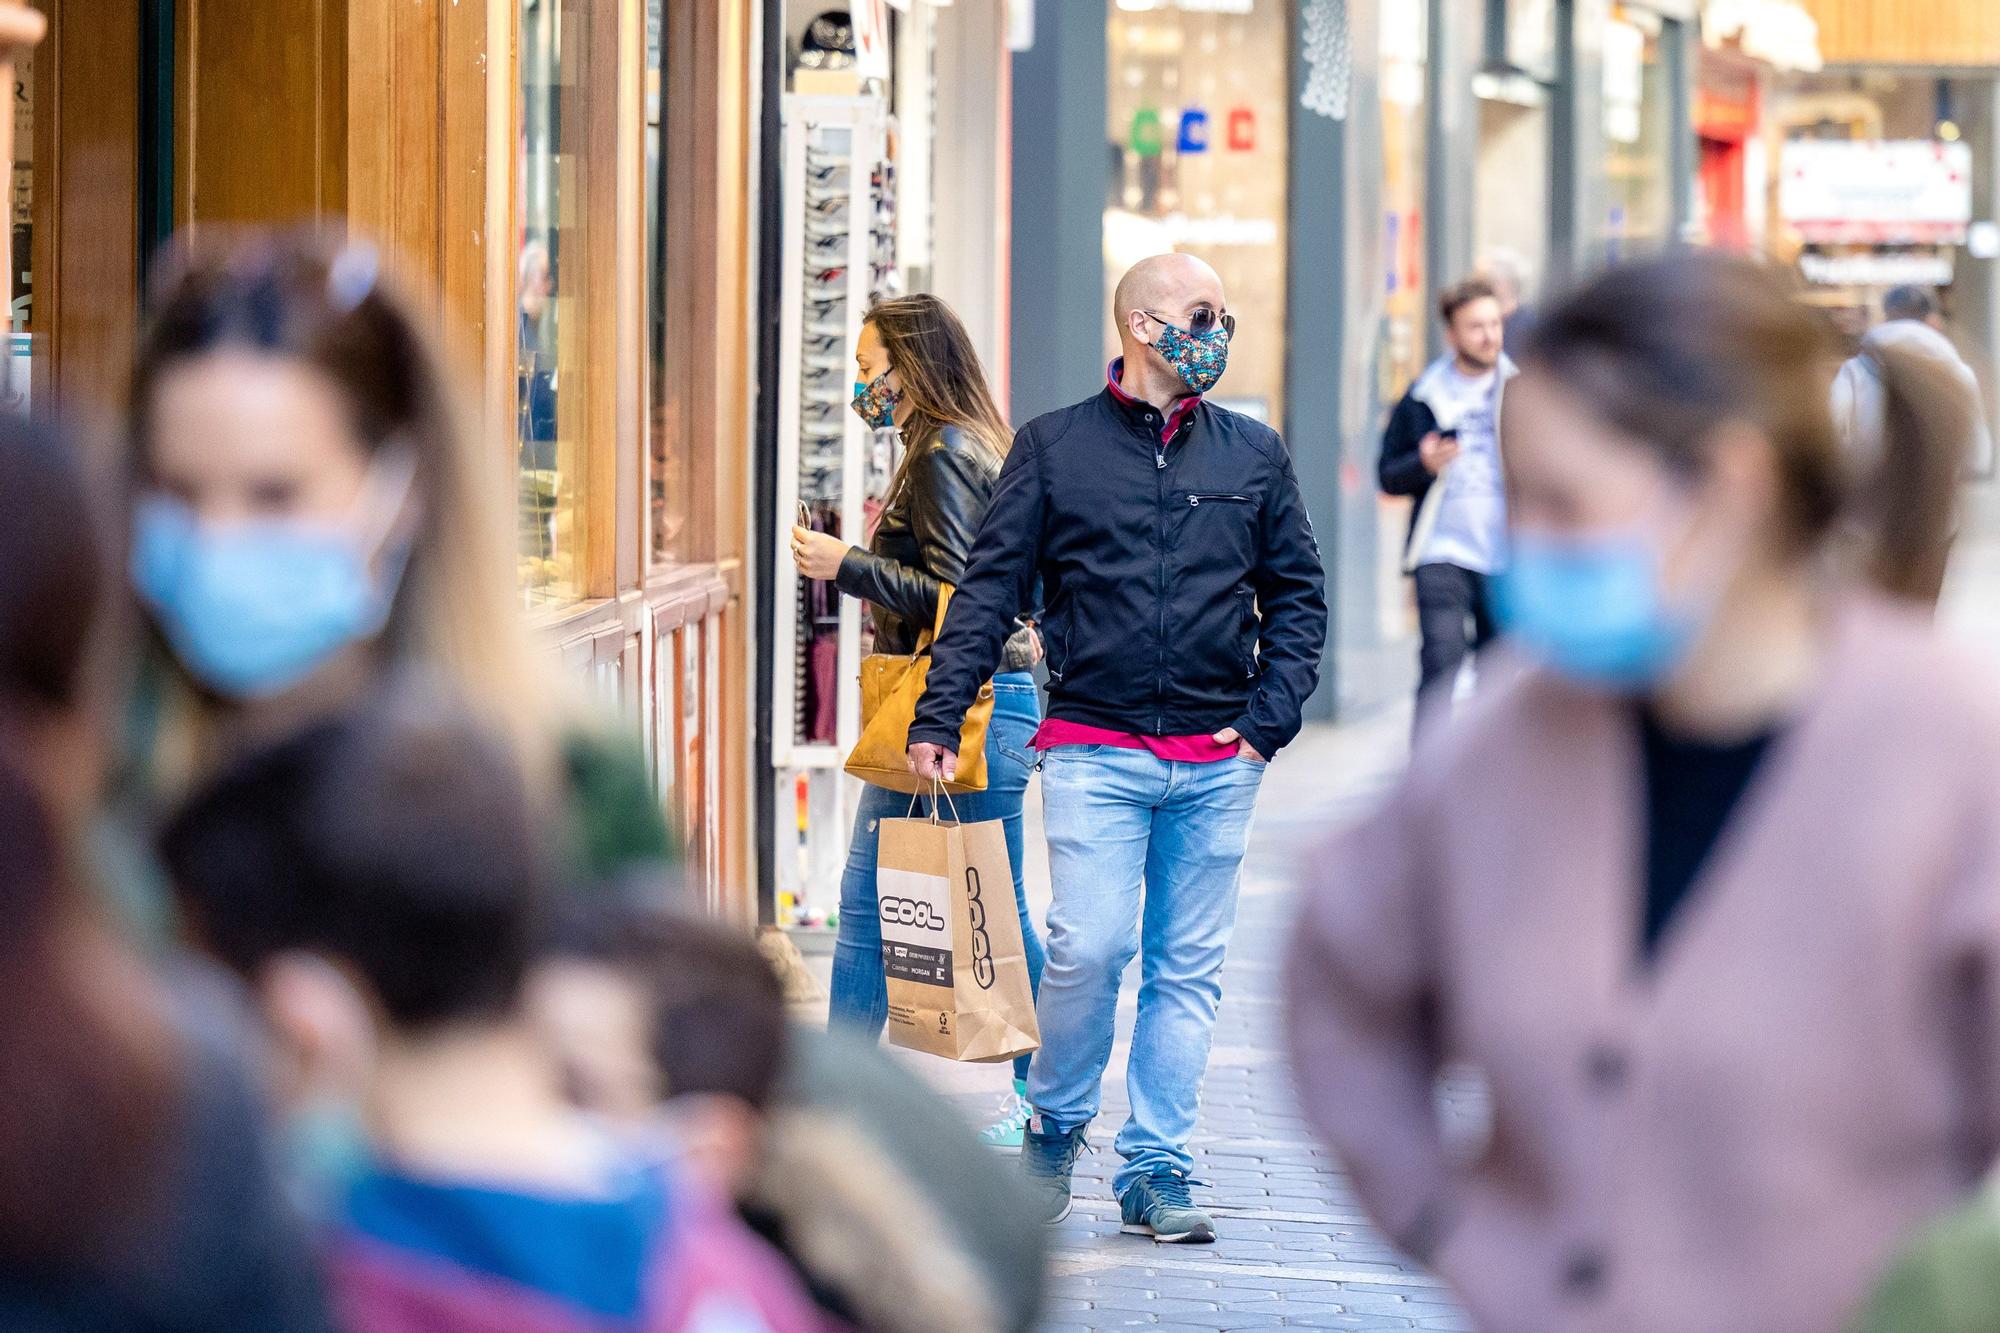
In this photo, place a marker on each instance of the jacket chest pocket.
(1216, 529)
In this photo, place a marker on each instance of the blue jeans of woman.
(860, 987)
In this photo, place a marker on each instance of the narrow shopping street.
(1295, 1249)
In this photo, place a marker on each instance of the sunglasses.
(1201, 323)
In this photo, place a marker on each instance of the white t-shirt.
(1471, 528)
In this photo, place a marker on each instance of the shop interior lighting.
(1947, 130)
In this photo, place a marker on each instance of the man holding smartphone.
(1442, 448)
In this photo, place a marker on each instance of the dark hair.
(1462, 294)
(398, 840)
(54, 576)
(933, 356)
(1906, 505)
(86, 1058)
(1669, 349)
(1911, 302)
(715, 1003)
(717, 1007)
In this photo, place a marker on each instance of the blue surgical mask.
(255, 607)
(1594, 609)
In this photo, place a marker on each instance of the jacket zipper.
(1194, 501)
(1160, 537)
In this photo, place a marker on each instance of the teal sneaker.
(1048, 1159)
(1013, 1122)
(1159, 1206)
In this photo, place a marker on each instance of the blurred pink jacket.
(1737, 1137)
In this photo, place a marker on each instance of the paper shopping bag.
(951, 941)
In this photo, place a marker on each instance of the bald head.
(1168, 286)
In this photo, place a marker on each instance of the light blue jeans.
(860, 988)
(1145, 854)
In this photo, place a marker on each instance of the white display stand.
(834, 146)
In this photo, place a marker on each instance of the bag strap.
(938, 789)
(928, 637)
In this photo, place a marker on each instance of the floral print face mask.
(1198, 359)
(875, 402)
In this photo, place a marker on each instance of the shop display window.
(551, 311)
(1198, 127)
(669, 478)
(1638, 186)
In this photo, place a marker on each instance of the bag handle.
(928, 637)
(937, 789)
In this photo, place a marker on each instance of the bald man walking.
(1186, 617)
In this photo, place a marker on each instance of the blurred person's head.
(87, 1058)
(669, 1016)
(915, 364)
(1173, 323)
(1474, 324)
(1673, 472)
(307, 513)
(52, 578)
(1506, 273)
(375, 877)
(1914, 303)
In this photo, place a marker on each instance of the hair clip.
(350, 278)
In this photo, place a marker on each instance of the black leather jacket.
(924, 540)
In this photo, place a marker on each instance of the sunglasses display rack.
(839, 257)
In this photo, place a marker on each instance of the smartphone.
(805, 515)
(1451, 434)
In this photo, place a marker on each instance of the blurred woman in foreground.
(135, 1189)
(309, 522)
(1710, 896)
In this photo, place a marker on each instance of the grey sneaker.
(1048, 1160)
(1159, 1206)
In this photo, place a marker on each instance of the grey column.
(1681, 54)
(1061, 175)
(1317, 277)
(1457, 34)
(1576, 149)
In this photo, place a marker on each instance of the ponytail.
(1905, 502)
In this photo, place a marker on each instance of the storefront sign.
(1890, 270)
(1907, 192)
(1194, 131)
(1242, 130)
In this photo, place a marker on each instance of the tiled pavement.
(1295, 1250)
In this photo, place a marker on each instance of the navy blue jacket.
(1183, 585)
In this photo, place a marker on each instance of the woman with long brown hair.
(309, 521)
(919, 374)
(1709, 894)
